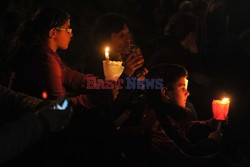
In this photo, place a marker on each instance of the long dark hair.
(35, 30)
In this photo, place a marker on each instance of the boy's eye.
(182, 88)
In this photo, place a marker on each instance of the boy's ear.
(52, 32)
(165, 94)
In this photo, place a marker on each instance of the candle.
(107, 53)
(112, 69)
(220, 108)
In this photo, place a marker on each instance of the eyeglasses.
(69, 30)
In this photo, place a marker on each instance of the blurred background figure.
(25, 121)
(113, 30)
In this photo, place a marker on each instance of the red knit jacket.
(42, 70)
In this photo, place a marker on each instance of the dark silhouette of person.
(18, 133)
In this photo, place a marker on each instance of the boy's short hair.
(170, 73)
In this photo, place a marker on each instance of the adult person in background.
(113, 30)
(179, 45)
(199, 9)
(19, 132)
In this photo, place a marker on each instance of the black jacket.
(15, 104)
(17, 133)
(177, 139)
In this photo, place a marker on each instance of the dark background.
(226, 59)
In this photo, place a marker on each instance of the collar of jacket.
(172, 110)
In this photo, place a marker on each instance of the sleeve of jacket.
(167, 143)
(60, 79)
(198, 130)
(75, 80)
(17, 136)
(16, 102)
(52, 76)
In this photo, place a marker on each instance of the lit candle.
(107, 53)
(112, 69)
(220, 108)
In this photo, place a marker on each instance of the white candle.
(112, 69)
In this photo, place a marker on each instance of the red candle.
(220, 108)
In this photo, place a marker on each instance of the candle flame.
(225, 100)
(186, 83)
(107, 53)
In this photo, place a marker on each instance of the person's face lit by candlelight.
(177, 93)
(174, 87)
(113, 30)
(120, 41)
(60, 36)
